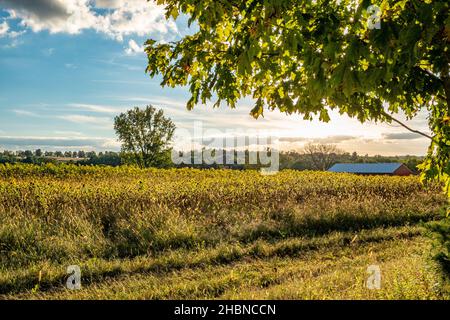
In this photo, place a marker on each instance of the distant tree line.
(81, 157)
(312, 157)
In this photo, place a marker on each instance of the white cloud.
(123, 17)
(108, 4)
(15, 34)
(95, 108)
(133, 48)
(102, 121)
(402, 136)
(69, 16)
(4, 27)
(135, 18)
(25, 113)
(5, 31)
(70, 66)
(55, 143)
(82, 119)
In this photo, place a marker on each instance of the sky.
(67, 67)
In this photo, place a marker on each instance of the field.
(192, 234)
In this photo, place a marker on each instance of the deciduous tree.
(145, 135)
(309, 57)
(322, 156)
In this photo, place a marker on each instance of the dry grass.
(213, 234)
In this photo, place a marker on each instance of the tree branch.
(387, 115)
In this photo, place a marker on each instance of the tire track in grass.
(249, 279)
(94, 271)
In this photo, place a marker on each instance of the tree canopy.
(313, 56)
(145, 135)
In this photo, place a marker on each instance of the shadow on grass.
(290, 226)
(185, 259)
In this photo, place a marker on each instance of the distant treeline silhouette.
(288, 159)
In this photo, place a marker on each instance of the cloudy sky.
(67, 67)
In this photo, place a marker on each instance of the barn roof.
(369, 168)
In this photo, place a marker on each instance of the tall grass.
(53, 216)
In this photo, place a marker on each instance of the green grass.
(191, 234)
(332, 267)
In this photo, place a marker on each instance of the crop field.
(211, 234)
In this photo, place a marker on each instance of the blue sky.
(68, 67)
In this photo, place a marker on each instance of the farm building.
(393, 169)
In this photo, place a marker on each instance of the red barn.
(392, 169)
